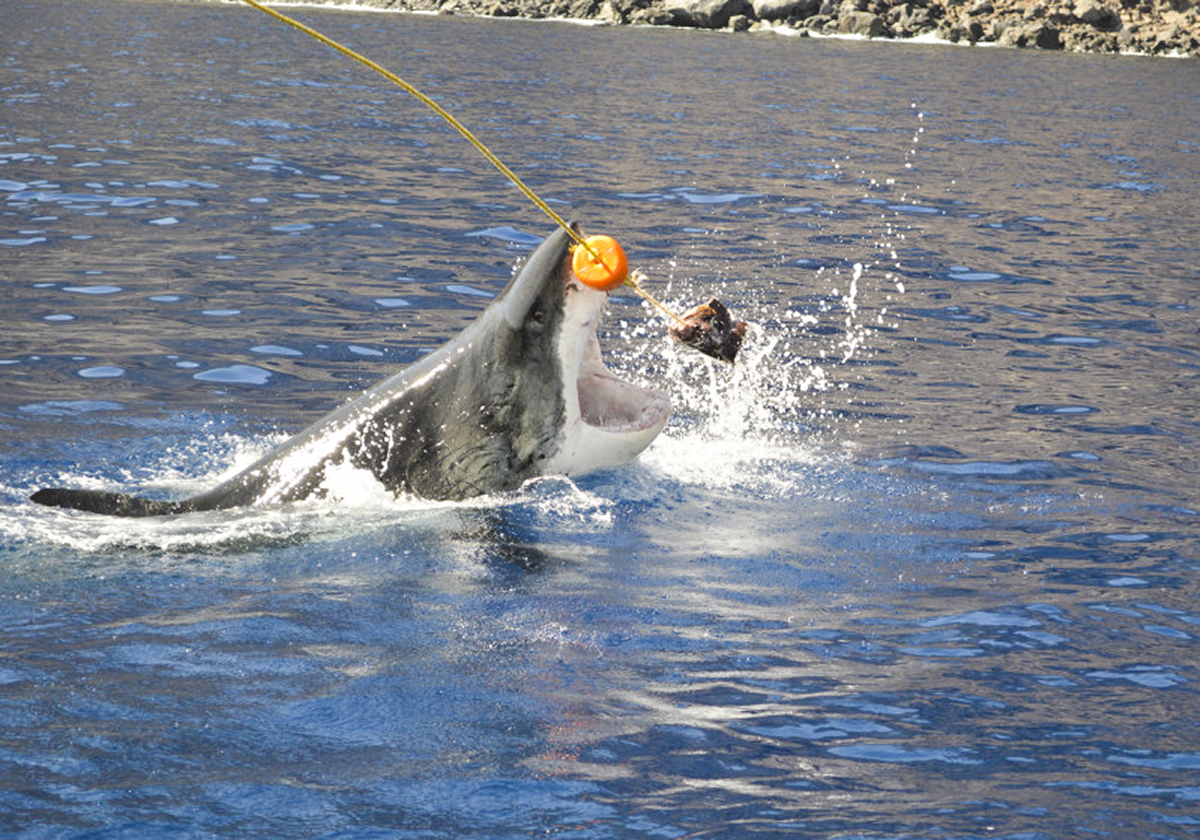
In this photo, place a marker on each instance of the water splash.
(352, 502)
(790, 401)
(750, 424)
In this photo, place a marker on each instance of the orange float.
(604, 270)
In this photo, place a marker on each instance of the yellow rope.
(437, 109)
(466, 133)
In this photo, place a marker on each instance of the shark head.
(598, 420)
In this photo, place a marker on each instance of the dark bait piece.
(710, 329)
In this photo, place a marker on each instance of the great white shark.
(521, 392)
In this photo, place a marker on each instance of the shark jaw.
(609, 420)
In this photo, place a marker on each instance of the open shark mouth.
(612, 404)
(607, 402)
(609, 420)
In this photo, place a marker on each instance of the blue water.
(924, 564)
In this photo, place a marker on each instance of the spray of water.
(789, 402)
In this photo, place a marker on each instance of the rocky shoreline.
(1151, 27)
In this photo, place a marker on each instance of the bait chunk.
(710, 329)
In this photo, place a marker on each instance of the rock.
(862, 23)
(652, 16)
(967, 29)
(707, 14)
(1146, 26)
(909, 20)
(951, 32)
(784, 9)
(609, 13)
(1036, 34)
(1046, 37)
(1089, 40)
(1097, 15)
(1129, 39)
(1175, 38)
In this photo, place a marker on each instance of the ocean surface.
(923, 564)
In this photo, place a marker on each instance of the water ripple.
(235, 375)
(938, 523)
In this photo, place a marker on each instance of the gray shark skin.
(521, 392)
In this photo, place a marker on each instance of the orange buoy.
(605, 273)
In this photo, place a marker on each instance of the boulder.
(966, 29)
(908, 20)
(707, 14)
(609, 13)
(1097, 15)
(1047, 37)
(653, 15)
(862, 23)
(1083, 39)
(1036, 34)
(1175, 38)
(784, 9)
(951, 32)
(1130, 39)
(500, 9)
